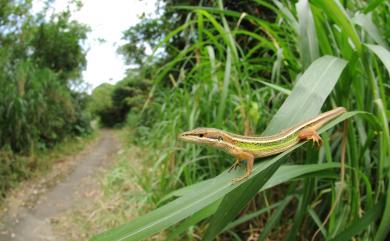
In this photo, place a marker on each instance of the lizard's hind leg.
(310, 133)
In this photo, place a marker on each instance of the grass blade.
(233, 203)
(365, 21)
(283, 174)
(337, 13)
(288, 15)
(274, 86)
(250, 216)
(382, 53)
(310, 93)
(274, 219)
(360, 224)
(307, 34)
(194, 219)
(226, 81)
(372, 5)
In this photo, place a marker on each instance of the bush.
(13, 168)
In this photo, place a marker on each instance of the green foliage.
(112, 104)
(144, 35)
(39, 61)
(216, 62)
(100, 98)
(57, 46)
(13, 168)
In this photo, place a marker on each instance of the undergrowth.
(17, 168)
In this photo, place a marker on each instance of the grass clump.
(234, 71)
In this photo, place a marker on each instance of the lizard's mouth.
(198, 138)
(189, 137)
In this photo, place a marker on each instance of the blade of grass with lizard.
(250, 147)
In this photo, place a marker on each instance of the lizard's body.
(250, 147)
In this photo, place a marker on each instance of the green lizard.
(250, 147)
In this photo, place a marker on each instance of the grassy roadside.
(118, 198)
(68, 147)
(49, 167)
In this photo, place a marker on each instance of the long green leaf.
(382, 53)
(226, 81)
(309, 93)
(323, 32)
(337, 13)
(308, 44)
(274, 86)
(372, 5)
(365, 21)
(288, 15)
(250, 216)
(194, 219)
(232, 203)
(284, 174)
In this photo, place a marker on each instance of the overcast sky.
(107, 19)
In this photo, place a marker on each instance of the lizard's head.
(209, 136)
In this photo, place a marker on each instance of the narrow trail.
(35, 223)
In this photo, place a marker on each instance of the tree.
(57, 46)
(100, 98)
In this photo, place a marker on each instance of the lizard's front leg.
(241, 155)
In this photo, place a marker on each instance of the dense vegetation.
(41, 60)
(231, 65)
(111, 104)
(244, 66)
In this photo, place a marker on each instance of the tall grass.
(235, 73)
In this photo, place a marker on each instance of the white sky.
(107, 20)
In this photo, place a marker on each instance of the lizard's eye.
(201, 135)
(220, 138)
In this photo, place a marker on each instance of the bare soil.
(31, 211)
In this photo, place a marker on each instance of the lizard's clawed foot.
(239, 179)
(316, 140)
(235, 165)
(311, 134)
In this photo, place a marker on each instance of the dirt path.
(35, 223)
